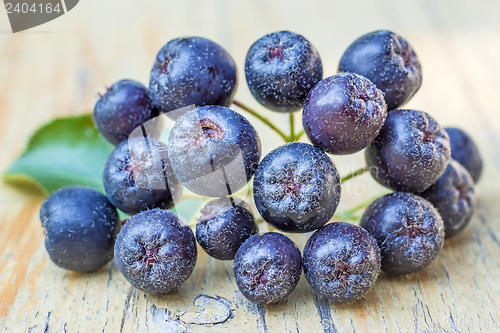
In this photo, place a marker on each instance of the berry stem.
(261, 118)
(299, 135)
(362, 205)
(260, 221)
(355, 174)
(351, 213)
(292, 128)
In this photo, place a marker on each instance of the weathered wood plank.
(60, 72)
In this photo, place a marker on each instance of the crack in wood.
(213, 311)
(130, 292)
(164, 320)
(490, 230)
(261, 310)
(425, 309)
(47, 322)
(110, 273)
(325, 314)
(104, 327)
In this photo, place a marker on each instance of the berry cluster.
(214, 151)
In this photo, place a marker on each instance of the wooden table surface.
(57, 69)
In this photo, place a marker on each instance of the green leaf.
(67, 151)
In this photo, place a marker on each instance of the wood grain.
(58, 69)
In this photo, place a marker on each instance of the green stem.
(261, 118)
(190, 196)
(354, 174)
(362, 205)
(351, 212)
(271, 228)
(299, 135)
(194, 196)
(291, 138)
(260, 221)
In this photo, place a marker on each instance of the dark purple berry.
(341, 262)
(267, 267)
(410, 153)
(156, 251)
(465, 152)
(408, 230)
(387, 60)
(191, 71)
(80, 227)
(125, 106)
(138, 176)
(281, 68)
(454, 198)
(214, 151)
(296, 188)
(224, 225)
(344, 113)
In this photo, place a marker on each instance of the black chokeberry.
(296, 187)
(214, 150)
(156, 251)
(454, 198)
(281, 68)
(138, 176)
(408, 229)
(125, 106)
(80, 227)
(267, 267)
(389, 61)
(192, 71)
(410, 153)
(343, 113)
(465, 151)
(224, 225)
(341, 262)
